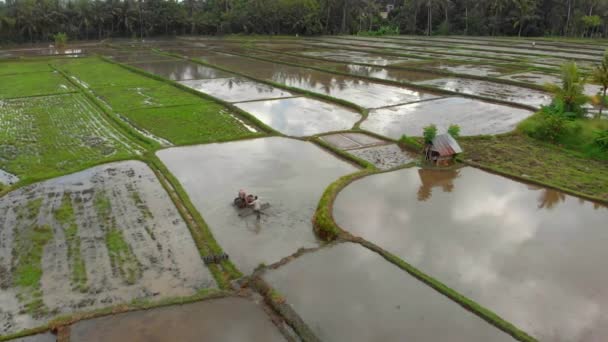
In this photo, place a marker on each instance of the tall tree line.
(38, 20)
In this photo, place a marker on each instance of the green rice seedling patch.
(65, 216)
(46, 136)
(29, 243)
(204, 122)
(123, 98)
(95, 73)
(33, 84)
(7, 68)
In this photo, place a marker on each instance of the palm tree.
(600, 75)
(570, 94)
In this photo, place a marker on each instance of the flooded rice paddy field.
(99, 237)
(222, 320)
(348, 293)
(301, 116)
(112, 235)
(473, 116)
(289, 174)
(528, 253)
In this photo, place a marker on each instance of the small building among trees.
(442, 150)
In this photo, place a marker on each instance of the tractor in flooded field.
(249, 204)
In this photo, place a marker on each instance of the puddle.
(180, 70)
(301, 116)
(384, 157)
(349, 293)
(7, 178)
(140, 57)
(345, 141)
(530, 254)
(492, 90)
(473, 116)
(364, 93)
(289, 174)
(226, 319)
(236, 89)
(46, 337)
(120, 202)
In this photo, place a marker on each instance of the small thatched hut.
(442, 150)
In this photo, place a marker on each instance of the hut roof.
(445, 145)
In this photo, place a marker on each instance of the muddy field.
(92, 239)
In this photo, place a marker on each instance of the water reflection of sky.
(301, 116)
(533, 256)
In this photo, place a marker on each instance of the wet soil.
(124, 240)
(8, 178)
(289, 174)
(302, 116)
(528, 253)
(179, 70)
(473, 116)
(226, 319)
(236, 89)
(491, 90)
(366, 298)
(384, 157)
(346, 141)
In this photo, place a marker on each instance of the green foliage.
(600, 75)
(549, 127)
(122, 257)
(443, 29)
(61, 39)
(65, 215)
(570, 93)
(429, 133)
(410, 142)
(454, 131)
(601, 139)
(381, 31)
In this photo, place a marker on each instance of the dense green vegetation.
(51, 135)
(33, 84)
(42, 20)
(203, 122)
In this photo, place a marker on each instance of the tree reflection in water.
(435, 178)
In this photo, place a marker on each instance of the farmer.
(255, 204)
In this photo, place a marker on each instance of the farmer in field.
(255, 204)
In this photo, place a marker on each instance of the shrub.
(454, 131)
(410, 142)
(546, 127)
(429, 133)
(61, 39)
(383, 30)
(601, 139)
